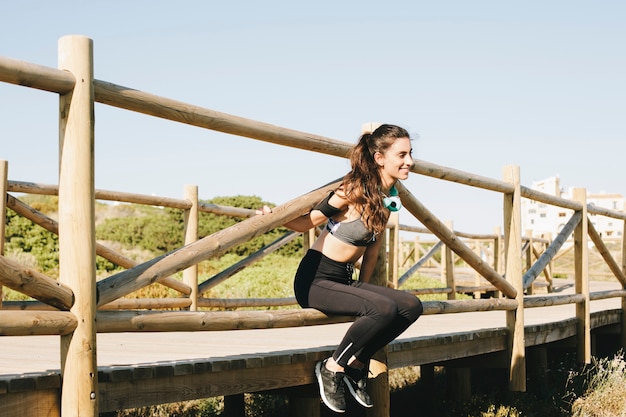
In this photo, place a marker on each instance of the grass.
(605, 389)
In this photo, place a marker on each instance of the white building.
(545, 219)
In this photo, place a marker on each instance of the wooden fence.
(77, 304)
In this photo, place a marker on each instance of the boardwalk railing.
(80, 305)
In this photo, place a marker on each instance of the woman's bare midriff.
(337, 250)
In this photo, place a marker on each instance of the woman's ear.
(379, 159)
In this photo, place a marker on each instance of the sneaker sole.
(318, 375)
(354, 394)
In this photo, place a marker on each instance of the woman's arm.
(368, 264)
(315, 217)
(306, 221)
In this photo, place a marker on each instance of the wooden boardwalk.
(27, 354)
(214, 360)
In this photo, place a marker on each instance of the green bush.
(23, 236)
(162, 230)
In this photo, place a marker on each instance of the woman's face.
(396, 162)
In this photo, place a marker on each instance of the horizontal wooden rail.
(27, 305)
(36, 76)
(147, 304)
(35, 284)
(473, 236)
(601, 295)
(552, 300)
(146, 103)
(601, 211)
(129, 321)
(106, 195)
(21, 323)
(31, 323)
(458, 306)
(230, 303)
(120, 304)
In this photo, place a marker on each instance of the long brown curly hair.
(362, 185)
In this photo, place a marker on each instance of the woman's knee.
(386, 310)
(416, 309)
(412, 307)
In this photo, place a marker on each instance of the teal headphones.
(392, 202)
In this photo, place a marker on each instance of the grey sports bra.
(352, 232)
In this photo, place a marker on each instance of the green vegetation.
(31, 244)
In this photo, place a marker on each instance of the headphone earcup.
(393, 203)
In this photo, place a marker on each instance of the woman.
(356, 214)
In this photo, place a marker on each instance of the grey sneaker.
(356, 381)
(332, 388)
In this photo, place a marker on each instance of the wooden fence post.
(4, 169)
(308, 238)
(513, 259)
(190, 275)
(417, 252)
(549, 275)
(581, 279)
(498, 265)
(77, 253)
(447, 265)
(477, 247)
(378, 385)
(529, 259)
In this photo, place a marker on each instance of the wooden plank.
(130, 394)
(450, 347)
(42, 403)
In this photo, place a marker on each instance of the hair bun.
(369, 128)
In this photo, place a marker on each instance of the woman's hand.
(264, 210)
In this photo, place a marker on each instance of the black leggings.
(382, 313)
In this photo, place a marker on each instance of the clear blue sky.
(479, 84)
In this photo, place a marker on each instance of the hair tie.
(369, 128)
